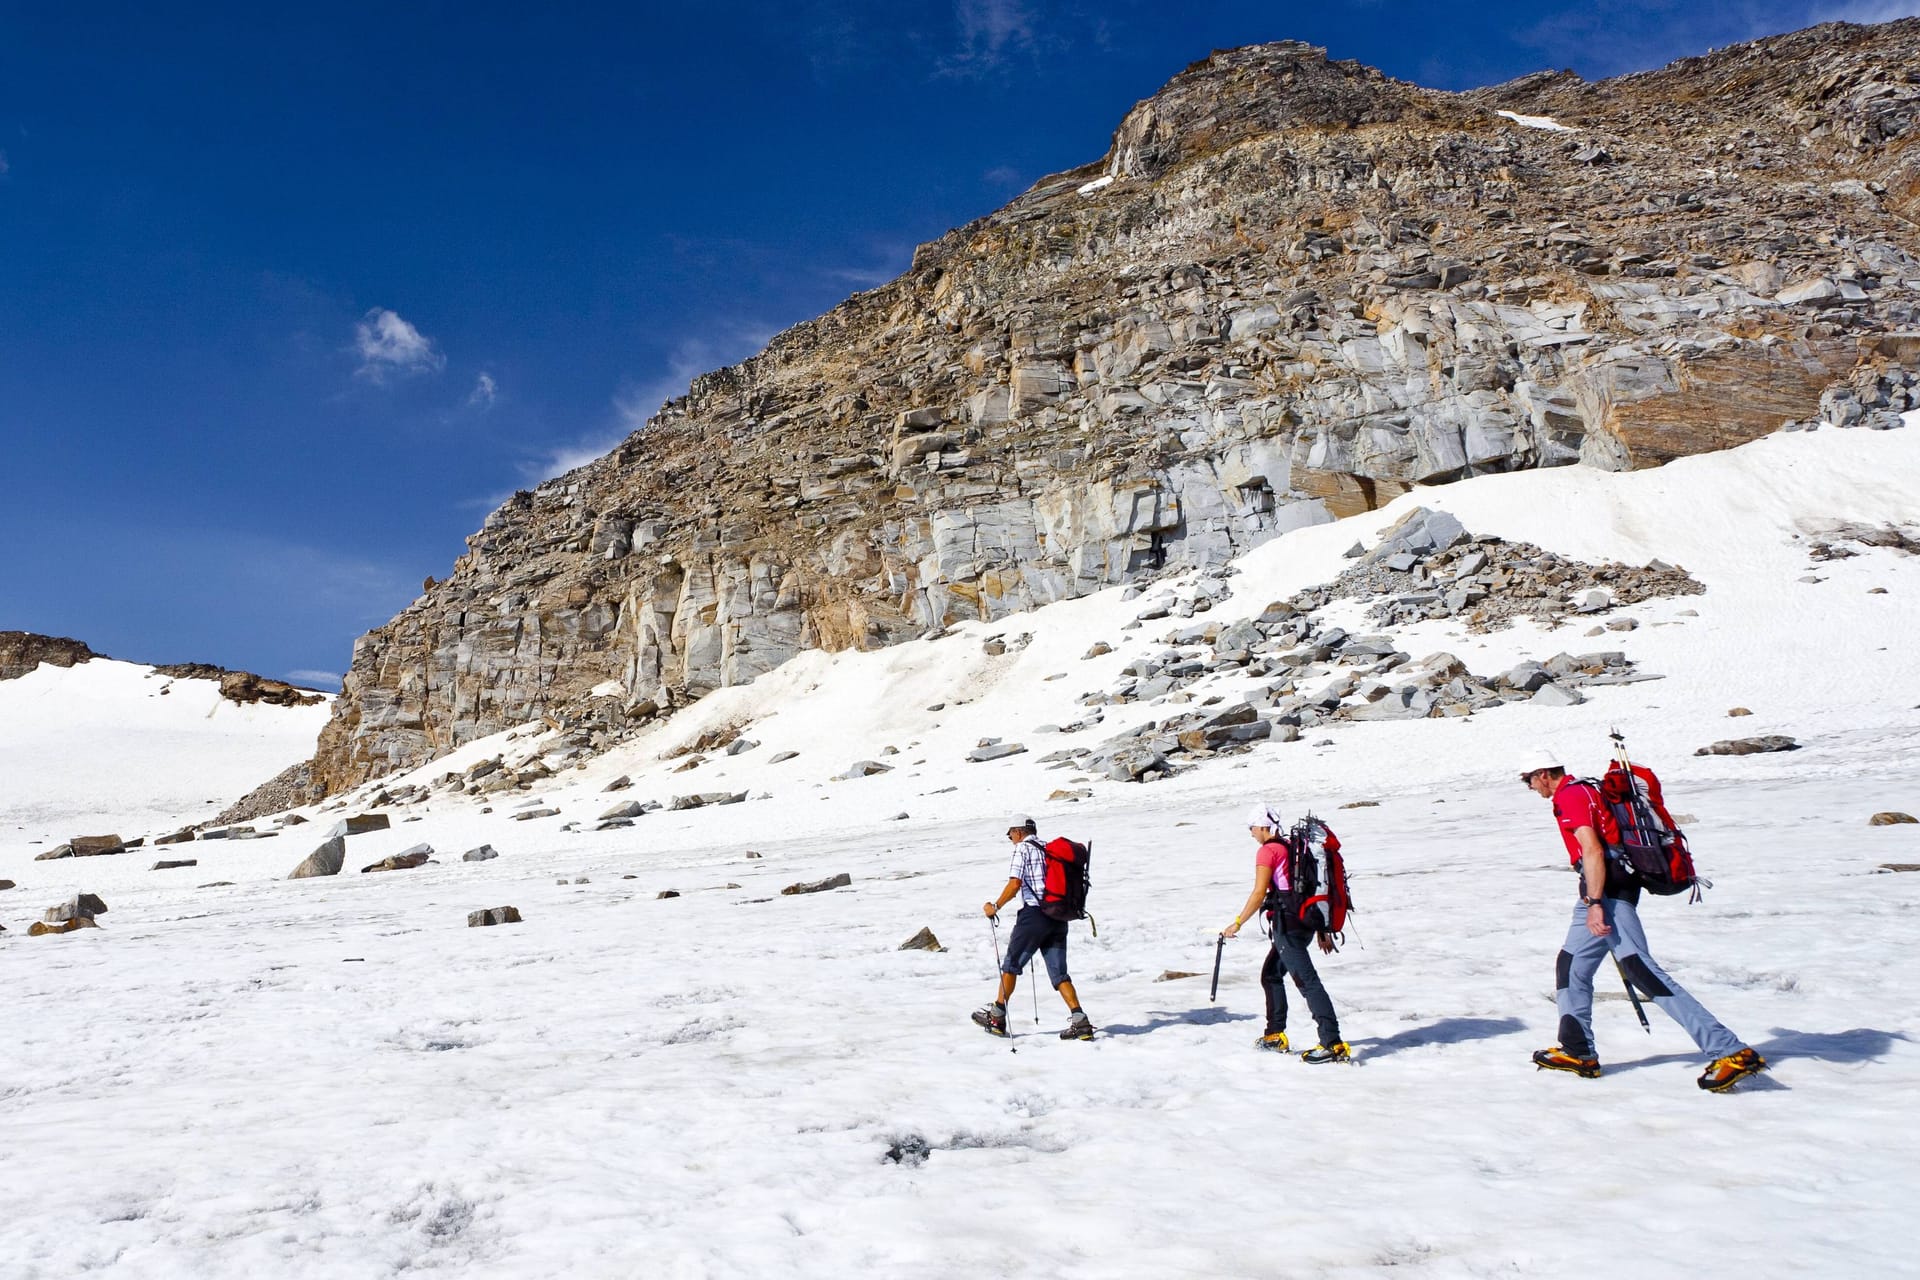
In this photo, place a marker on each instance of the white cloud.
(989, 30)
(565, 458)
(1613, 37)
(637, 402)
(320, 679)
(991, 26)
(485, 392)
(387, 345)
(1866, 11)
(885, 262)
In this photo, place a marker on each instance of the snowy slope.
(116, 747)
(338, 1078)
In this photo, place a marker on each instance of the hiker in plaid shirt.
(1034, 933)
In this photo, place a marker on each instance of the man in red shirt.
(1608, 920)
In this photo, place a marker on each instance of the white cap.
(1021, 822)
(1538, 757)
(1264, 815)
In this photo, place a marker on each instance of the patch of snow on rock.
(1537, 122)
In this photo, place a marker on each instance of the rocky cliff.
(1291, 289)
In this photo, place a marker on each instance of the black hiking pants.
(1288, 956)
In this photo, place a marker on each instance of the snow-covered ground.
(338, 1078)
(109, 746)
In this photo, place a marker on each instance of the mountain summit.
(1292, 289)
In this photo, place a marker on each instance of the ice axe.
(1633, 995)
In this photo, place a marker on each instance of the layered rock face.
(1292, 289)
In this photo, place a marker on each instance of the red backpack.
(1650, 847)
(1316, 898)
(1067, 883)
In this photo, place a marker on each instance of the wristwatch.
(1590, 902)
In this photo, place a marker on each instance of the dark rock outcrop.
(243, 686)
(23, 651)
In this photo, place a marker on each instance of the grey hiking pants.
(1581, 956)
(1288, 955)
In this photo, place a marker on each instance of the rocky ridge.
(1292, 289)
(23, 651)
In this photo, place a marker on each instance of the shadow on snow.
(1191, 1018)
(1445, 1031)
(1859, 1045)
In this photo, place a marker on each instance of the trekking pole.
(1219, 947)
(1633, 996)
(1633, 797)
(1033, 989)
(1637, 799)
(994, 921)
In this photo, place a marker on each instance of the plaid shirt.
(1029, 867)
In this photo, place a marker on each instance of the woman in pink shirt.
(1288, 954)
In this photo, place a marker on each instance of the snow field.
(99, 748)
(338, 1078)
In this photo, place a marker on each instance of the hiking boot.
(1080, 1027)
(993, 1017)
(1335, 1052)
(1558, 1059)
(1724, 1073)
(1273, 1040)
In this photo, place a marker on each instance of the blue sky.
(289, 300)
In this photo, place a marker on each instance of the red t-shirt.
(1274, 854)
(1576, 805)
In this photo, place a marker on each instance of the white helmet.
(1021, 822)
(1538, 757)
(1264, 815)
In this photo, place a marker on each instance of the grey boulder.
(1750, 746)
(840, 881)
(324, 861)
(358, 825)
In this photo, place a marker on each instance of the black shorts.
(1036, 932)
